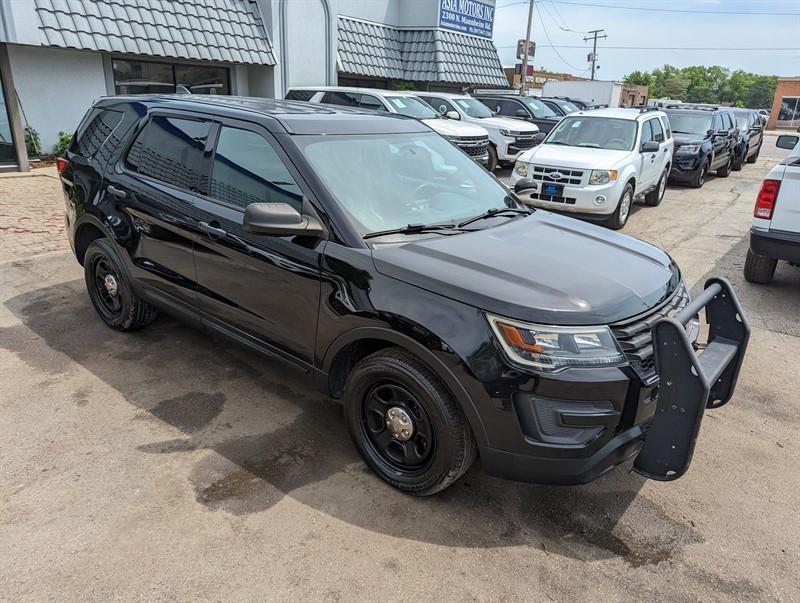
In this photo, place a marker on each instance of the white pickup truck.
(775, 234)
(595, 164)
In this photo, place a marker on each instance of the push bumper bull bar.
(690, 382)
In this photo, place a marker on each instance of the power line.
(658, 9)
(547, 35)
(692, 48)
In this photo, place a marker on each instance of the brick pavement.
(31, 214)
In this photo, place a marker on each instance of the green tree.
(638, 78)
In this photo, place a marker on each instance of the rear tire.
(725, 171)
(623, 211)
(493, 163)
(738, 162)
(110, 289)
(654, 197)
(759, 269)
(393, 385)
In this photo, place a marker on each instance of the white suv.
(508, 138)
(471, 139)
(776, 218)
(595, 164)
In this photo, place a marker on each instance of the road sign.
(521, 49)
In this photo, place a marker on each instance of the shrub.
(32, 142)
(64, 139)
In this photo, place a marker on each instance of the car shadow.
(274, 436)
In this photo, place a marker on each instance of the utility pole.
(594, 37)
(525, 54)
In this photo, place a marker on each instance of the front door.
(651, 168)
(262, 289)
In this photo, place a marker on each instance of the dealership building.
(57, 56)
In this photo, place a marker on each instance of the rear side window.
(667, 130)
(247, 170)
(171, 149)
(94, 131)
(301, 95)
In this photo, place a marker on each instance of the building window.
(148, 77)
(789, 112)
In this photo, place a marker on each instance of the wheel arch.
(354, 345)
(86, 231)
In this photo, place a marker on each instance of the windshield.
(594, 132)
(412, 107)
(473, 108)
(391, 181)
(538, 108)
(686, 123)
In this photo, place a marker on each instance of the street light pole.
(594, 38)
(525, 54)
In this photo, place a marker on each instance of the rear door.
(163, 173)
(262, 289)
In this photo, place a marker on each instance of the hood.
(503, 123)
(451, 127)
(687, 139)
(543, 268)
(574, 157)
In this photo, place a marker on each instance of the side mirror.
(521, 113)
(452, 115)
(279, 219)
(651, 146)
(787, 141)
(526, 185)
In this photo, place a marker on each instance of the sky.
(658, 37)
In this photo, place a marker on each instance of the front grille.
(553, 198)
(635, 338)
(476, 151)
(459, 140)
(568, 175)
(525, 143)
(474, 146)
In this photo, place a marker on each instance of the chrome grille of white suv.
(564, 175)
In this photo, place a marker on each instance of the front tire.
(700, 178)
(738, 162)
(493, 162)
(110, 289)
(754, 157)
(758, 268)
(654, 197)
(406, 424)
(620, 216)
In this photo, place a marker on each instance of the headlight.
(602, 176)
(509, 133)
(550, 348)
(688, 149)
(521, 168)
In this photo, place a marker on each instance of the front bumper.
(581, 424)
(685, 168)
(599, 200)
(778, 245)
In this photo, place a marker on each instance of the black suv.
(705, 141)
(751, 137)
(522, 107)
(368, 253)
(561, 106)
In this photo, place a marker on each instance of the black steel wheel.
(406, 424)
(700, 179)
(110, 290)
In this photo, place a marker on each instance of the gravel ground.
(164, 464)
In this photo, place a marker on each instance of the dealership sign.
(467, 16)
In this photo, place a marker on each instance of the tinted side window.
(505, 107)
(346, 99)
(727, 123)
(94, 131)
(667, 130)
(301, 95)
(170, 149)
(658, 131)
(371, 102)
(247, 170)
(440, 105)
(718, 123)
(647, 131)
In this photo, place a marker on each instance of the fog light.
(599, 199)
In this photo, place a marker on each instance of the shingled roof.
(424, 55)
(213, 30)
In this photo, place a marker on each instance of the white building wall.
(55, 87)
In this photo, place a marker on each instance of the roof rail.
(647, 109)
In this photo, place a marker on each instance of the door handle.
(115, 192)
(213, 230)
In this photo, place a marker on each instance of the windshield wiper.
(495, 211)
(410, 229)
